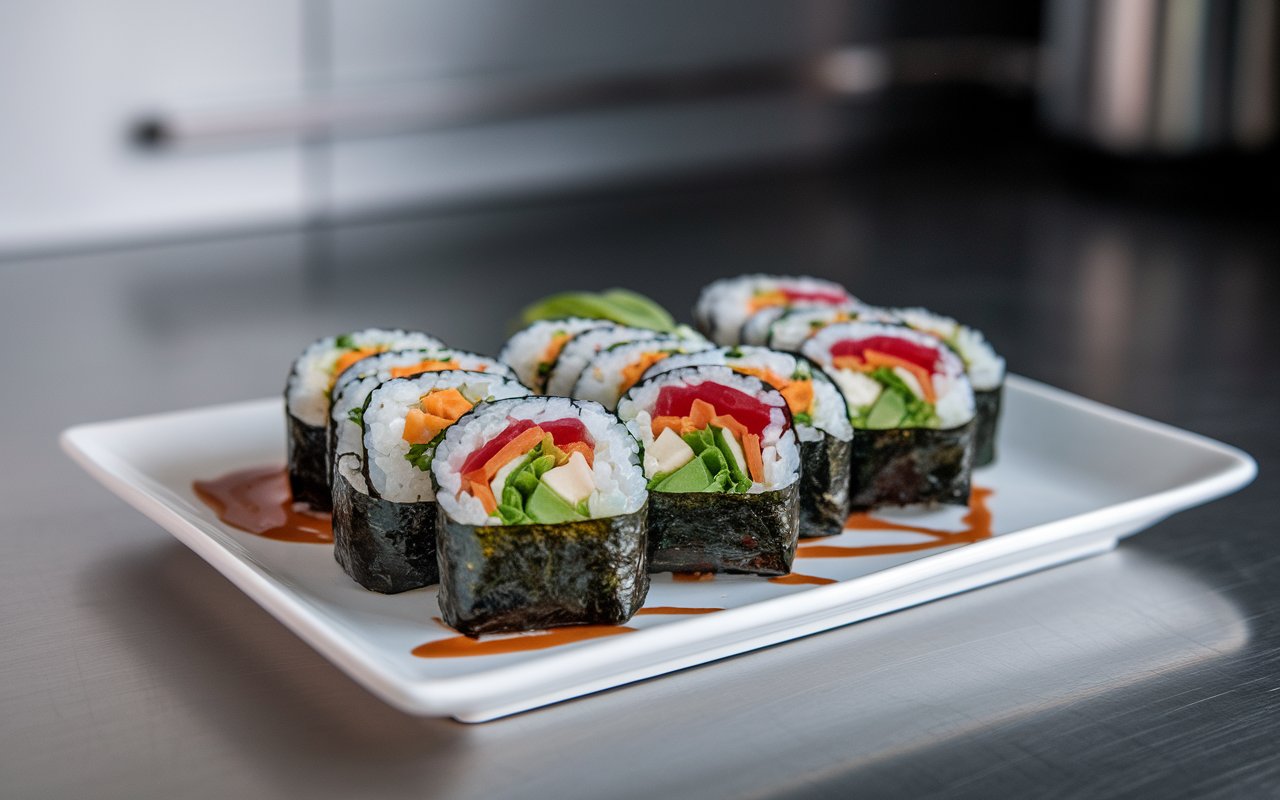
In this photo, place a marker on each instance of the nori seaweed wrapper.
(386, 547)
(307, 453)
(824, 486)
(902, 466)
(722, 532)
(988, 419)
(504, 578)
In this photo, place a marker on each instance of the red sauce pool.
(258, 501)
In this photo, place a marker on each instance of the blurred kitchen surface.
(191, 192)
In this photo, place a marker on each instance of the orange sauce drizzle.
(796, 579)
(258, 501)
(465, 646)
(692, 577)
(977, 527)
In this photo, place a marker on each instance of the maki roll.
(581, 348)
(984, 368)
(533, 349)
(384, 511)
(542, 517)
(616, 369)
(353, 385)
(912, 411)
(821, 420)
(307, 394)
(724, 306)
(723, 468)
(790, 330)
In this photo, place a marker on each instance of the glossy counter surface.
(131, 668)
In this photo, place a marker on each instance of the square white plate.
(1072, 477)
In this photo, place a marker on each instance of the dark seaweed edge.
(987, 423)
(305, 455)
(493, 577)
(825, 470)
(385, 547)
(754, 534)
(905, 466)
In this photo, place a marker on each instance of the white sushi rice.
(391, 475)
(780, 451)
(755, 331)
(601, 380)
(307, 390)
(579, 351)
(347, 446)
(523, 351)
(790, 331)
(986, 369)
(616, 473)
(955, 404)
(724, 305)
(399, 358)
(830, 414)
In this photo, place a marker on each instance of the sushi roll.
(542, 517)
(912, 410)
(790, 330)
(353, 385)
(614, 370)
(723, 467)
(984, 367)
(821, 420)
(307, 393)
(581, 348)
(724, 306)
(534, 348)
(384, 511)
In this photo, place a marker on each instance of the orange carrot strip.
(661, 423)
(352, 356)
(799, 395)
(700, 414)
(447, 403)
(877, 359)
(631, 373)
(481, 491)
(511, 450)
(429, 365)
(849, 362)
(765, 300)
(755, 460)
(581, 447)
(730, 424)
(767, 375)
(555, 346)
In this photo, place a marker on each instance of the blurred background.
(136, 119)
(190, 192)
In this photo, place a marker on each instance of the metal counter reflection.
(902, 687)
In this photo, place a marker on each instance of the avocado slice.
(692, 477)
(738, 477)
(546, 507)
(888, 410)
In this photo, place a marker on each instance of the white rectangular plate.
(1072, 477)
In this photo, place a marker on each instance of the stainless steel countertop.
(131, 669)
